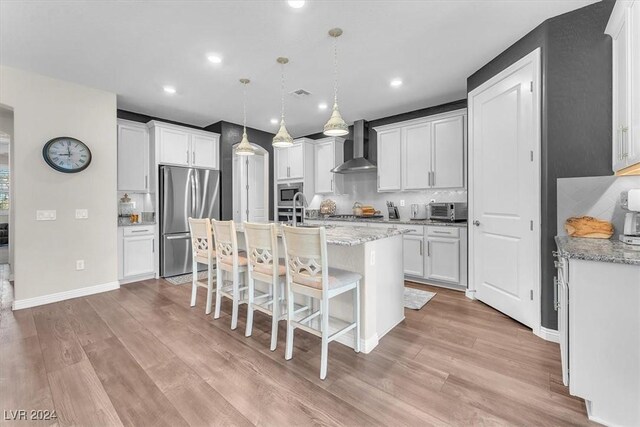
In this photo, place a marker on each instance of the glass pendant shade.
(245, 148)
(336, 126)
(282, 138)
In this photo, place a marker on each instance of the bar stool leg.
(325, 338)
(219, 279)
(236, 299)
(275, 313)
(289, 349)
(209, 288)
(194, 283)
(248, 330)
(356, 316)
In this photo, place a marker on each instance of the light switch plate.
(45, 215)
(82, 213)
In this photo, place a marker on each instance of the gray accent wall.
(576, 111)
(230, 134)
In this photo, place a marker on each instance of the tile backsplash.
(363, 188)
(597, 196)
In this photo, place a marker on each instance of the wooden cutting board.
(587, 226)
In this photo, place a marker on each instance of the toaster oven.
(448, 211)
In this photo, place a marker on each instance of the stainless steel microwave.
(449, 211)
(287, 191)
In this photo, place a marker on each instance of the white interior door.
(505, 191)
(258, 192)
(239, 183)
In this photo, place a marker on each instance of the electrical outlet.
(402, 202)
(372, 261)
(80, 264)
(432, 201)
(82, 213)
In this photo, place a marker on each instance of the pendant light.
(282, 138)
(336, 126)
(244, 148)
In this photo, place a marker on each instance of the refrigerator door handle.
(192, 183)
(178, 236)
(197, 202)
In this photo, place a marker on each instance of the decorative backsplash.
(363, 188)
(597, 196)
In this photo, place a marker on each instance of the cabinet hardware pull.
(433, 179)
(439, 232)
(193, 155)
(428, 248)
(420, 247)
(139, 231)
(187, 153)
(146, 182)
(625, 151)
(153, 245)
(555, 293)
(332, 185)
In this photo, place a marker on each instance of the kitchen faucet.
(304, 205)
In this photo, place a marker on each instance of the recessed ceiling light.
(396, 83)
(322, 106)
(274, 121)
(296, 4)
(169, 89)
(215, 59)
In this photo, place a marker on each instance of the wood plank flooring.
(141, 356)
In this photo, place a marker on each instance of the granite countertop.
(395, 221)
(351, 236)
(604, 250)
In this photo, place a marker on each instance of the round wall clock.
(66, 154)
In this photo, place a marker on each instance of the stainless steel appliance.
(360, 162)
(449, 211)
(631, 230)
(419, 211)
(184, 193)
(286, 193)
(286, 215)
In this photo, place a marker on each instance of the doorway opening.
(6, 197)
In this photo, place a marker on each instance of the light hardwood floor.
(141, 356)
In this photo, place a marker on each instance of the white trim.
(535, 58)
(471, 294)
(366, 345)
(137, 278)
(549, 334)
(65, 295)
(448, 114)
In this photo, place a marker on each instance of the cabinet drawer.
(443, 231)
(415, 230)
(138, 230)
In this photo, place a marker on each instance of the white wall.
(597, 196)
(46, 251)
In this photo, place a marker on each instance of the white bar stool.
(308, 274)
(229, 260)
(202, 250)
(264, 266)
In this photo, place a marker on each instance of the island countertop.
(351, 236)
(392, 222)
(603, 250)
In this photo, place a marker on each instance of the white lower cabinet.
(443, 259)
(136, 253)
(413, 254)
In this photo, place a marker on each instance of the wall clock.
(66, 154)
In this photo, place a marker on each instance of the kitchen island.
(376, 254)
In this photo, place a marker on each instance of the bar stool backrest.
(226, 242)
(306, 256)
(262, 247)
(201, 237)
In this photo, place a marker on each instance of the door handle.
(179, 236)
(476, 223)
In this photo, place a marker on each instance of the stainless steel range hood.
(359, 163)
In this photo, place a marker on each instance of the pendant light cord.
(282, 90)
(244, 107)
(335, 70)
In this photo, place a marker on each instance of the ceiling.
(135, 48)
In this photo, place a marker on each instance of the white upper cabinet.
(423, 153)
(447, 162)
(329, 153)
(389, 160)
(177, 145)
(290, 162)
(204, 151)
(133, 156)
(416, 156)
(624, 29)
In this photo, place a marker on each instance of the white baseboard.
(470, 293)
(549, 334)
(137, 278)
(61, 296)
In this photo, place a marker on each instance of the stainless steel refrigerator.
(184, 193)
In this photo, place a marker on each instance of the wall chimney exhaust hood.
(359, 164)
